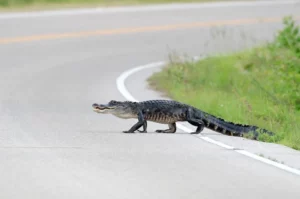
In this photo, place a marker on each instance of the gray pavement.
(53, 146)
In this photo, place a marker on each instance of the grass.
(8, 5)
(258, 86)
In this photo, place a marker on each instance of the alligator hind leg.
(172, 129)
(199, 124)
(196, 122)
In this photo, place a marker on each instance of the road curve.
(53, 146)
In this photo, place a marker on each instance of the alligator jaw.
(101, 108)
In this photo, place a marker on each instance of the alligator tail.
(229, 128)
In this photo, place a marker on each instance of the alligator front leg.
(136, 126)
(172, 129)
(194, 121)
(144, 127)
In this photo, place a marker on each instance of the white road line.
(143, 8)
(123, 90)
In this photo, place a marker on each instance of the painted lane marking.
(124, 91)
(119, 31)
(143, 8)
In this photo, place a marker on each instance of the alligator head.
(120, 109)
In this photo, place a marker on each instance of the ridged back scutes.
(150, 103)
(161, 104)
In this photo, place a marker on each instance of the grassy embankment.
(260, 86)
(7, 5)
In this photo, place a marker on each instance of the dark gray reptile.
(169, 112)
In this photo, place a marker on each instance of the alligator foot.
(128, 131)
(161, 131)
(165, 131)
(144, 131)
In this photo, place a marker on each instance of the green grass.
(8, 5)
(259, 86)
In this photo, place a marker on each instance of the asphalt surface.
(52, 145)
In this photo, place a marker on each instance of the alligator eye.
(112, 102)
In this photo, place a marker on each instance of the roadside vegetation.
(258, 86)
(41, 4)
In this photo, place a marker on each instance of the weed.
(289, 37)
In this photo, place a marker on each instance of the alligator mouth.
(101, 107)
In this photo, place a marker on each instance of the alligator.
(171, 111)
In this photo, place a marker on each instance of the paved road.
(53, 146)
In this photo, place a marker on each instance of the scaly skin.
(169, 112)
